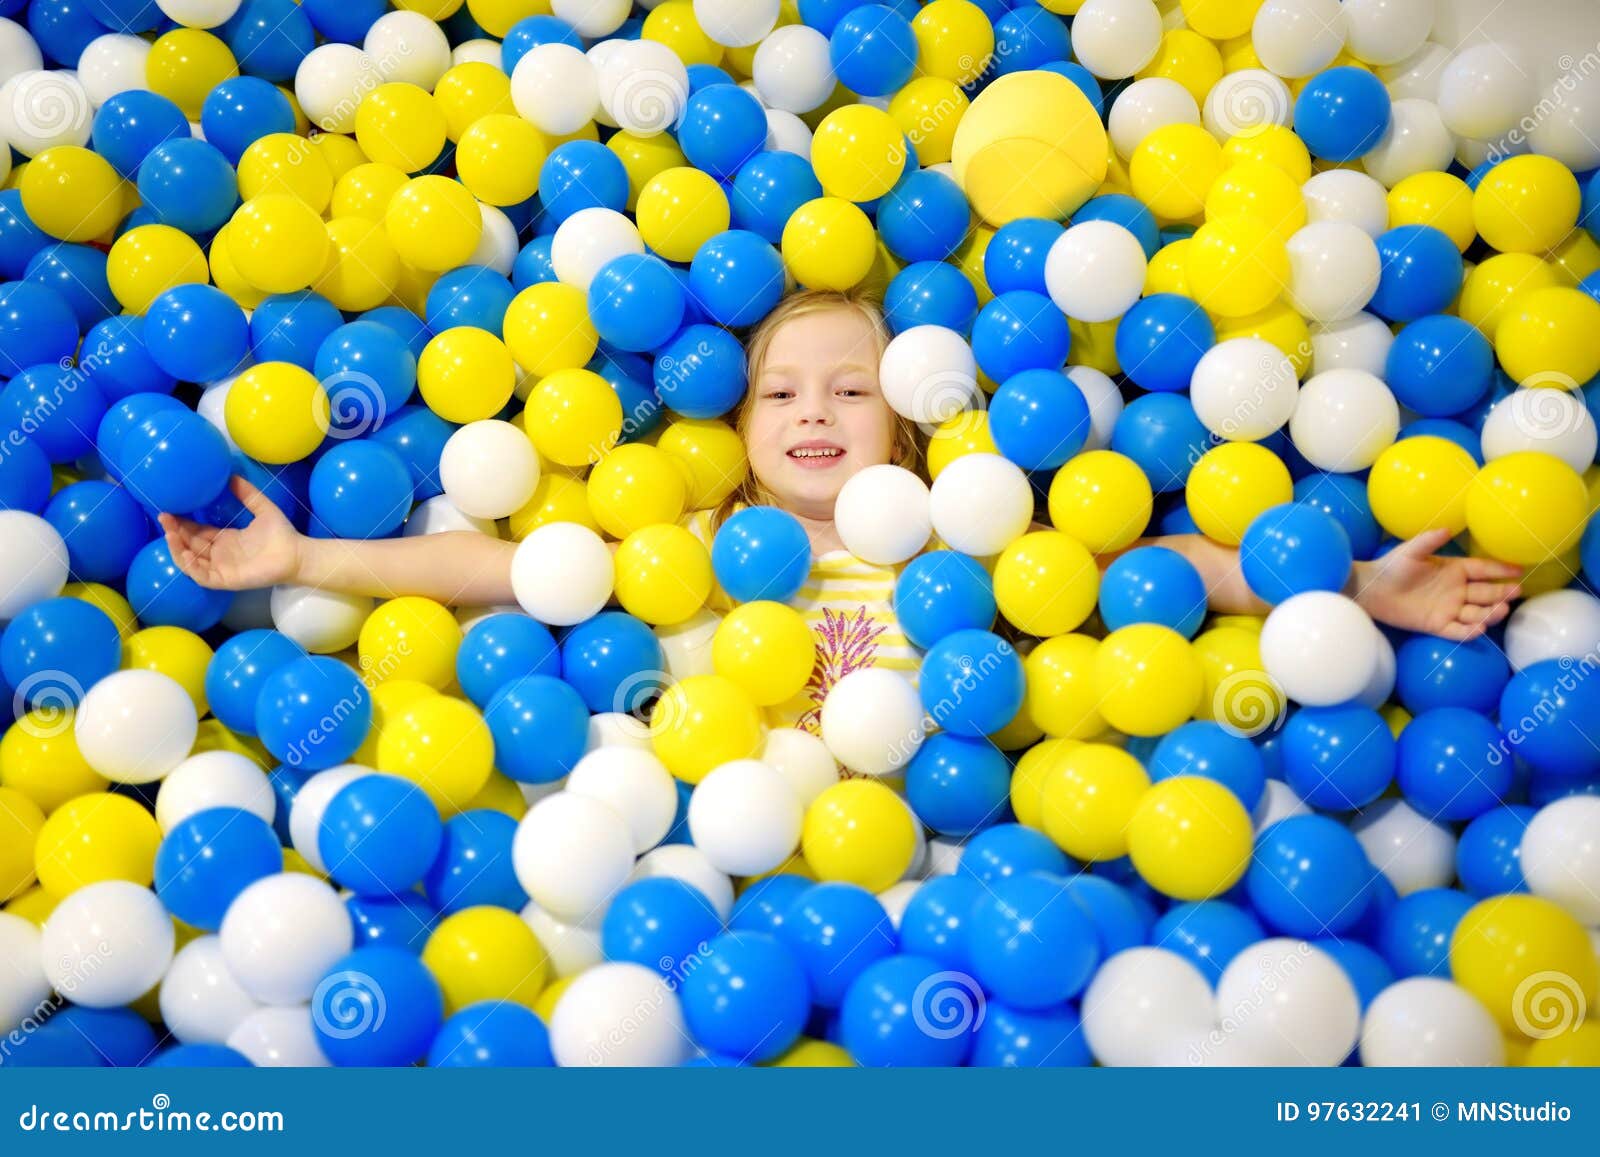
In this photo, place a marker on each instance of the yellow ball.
(636, 486)
(276, 412)
(928, 110)
(401, 125)
(365, 191)
(442, 745)
(499, 159)
(113, 604)
(1190, 838)
(1231, 485)
(1061, 689)
(470, 90)
(339, 153)
(180, 655)
(93, 838)
(767, 649)
(72, 193)
(1046, 583)
(1220, 19)
(34, 906)
(465, 374)
(859, 832)
(390, 700)
(432, 9)
(39, 757)
(1261, 192)
(957, 436)
(1029, 776)
(184, 65)
(500, 794)
(1094, 345)
(1526, 507)
(1526, 204)
(1102, 499)
(547, 328)
(829, 243)
(1089, 799)
(674, 25)
(1168, 270)
(1020, 734)
(954, 40)
(434, 223)
(1271, 145)
(1578, 1047)
(277, 243)
(858, 152)
(147, 261)
(644, 158)
(712, 452)
(410, 638)
(1147, 679)
(1238, 693)
(814, 1054)
(574, 417)
(497, 17)
(1173, 168)
(227, 278)
(363, 269)
(1440, 200)
(486, 953)
(287, 164)
(1278, 324)
(663, 574)
(557, 498)
(1421, 484)
(1527, 959)
(1547, 338)
(1187, 58)
(680, 210)
(20, 823)
(1236, 266)
(969, 259)
(702, 722)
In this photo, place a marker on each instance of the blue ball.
(1013, 1038)
(163, 596)
(824, 15)
(188, 184)
(174, 461)
(1309, 877)
(313, 713)
(1161, 339)
(116, 360)
(737, 277)
(1016, 254)
(1415, 933)
(1489, 851)
(1551, 719)
(1433, 672)
(636, 302)
(121, 419)
(1121, 918)
(102, 526)
(532, 31)
(376, 1006)
(938, 917)
(1344, 498)
(884, 1019)
(1153, 584)
(20, 238)
(240, 111)
(270, 38)
(1454, 764)
(1338, 758)
(237, 671)
(630, 376)
(1453, 431)
(369, 372)
(1207, 749)
(126, 15)
(972, 683)
(25, 479)
(411, 328)
(361, 489)
(1439, 365)
(835, 931)
(199, 1057)
(1017, 331)
(1208, 934)
(705, 75)
(662, 923)
(582, 175)
(1029, 37)
(722, 127)
(207, 859)
(769, 188)
(63, 29)
(54, 1046)
(924, 218)
(872, 50)
(1163, 435)
(37, 328)
(291, 327)
(533, 265)
(1420, 273)
(379, 835)
(940, 593)
(1010, 849)
(1369, 973)
(1342, 113)
(121, 1037)
(540, 728)
(418, 435)
(1039, 418)
(765, 904)
(472, 295)
(1129, 212)
(1294, 548)
(614, 662)
(501, 648)
(196, 333)
(78, 274)
(930, 293)
(700, 373)
(761, 553)
(492, 1034)
(473, 865)
(130, 124)
(403, 921)
(958, 785)
(748, 996)
(56, 650)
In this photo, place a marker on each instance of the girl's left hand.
(1414, 588)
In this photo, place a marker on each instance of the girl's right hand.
(263, 554)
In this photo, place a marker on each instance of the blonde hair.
(906, 450)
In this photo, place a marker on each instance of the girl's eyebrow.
(863, 367)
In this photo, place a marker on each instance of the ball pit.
(1285, 284)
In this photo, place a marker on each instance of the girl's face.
(817, 414)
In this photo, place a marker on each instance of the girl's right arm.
(459, 568)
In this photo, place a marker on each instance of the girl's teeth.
(815, 453)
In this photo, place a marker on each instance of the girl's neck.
(822, 533)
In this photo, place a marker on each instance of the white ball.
(1411, 850)
(1348, 196)
(199, 13)
(480, 51)
(897, 898)
(688, 863)
(942, 857)
(1552, 421)
(554, 86)
(1278, 802)
(279, 1038)
(645, 87)
(1386, 31)
(331, 82)
(1561, 855)
(33, 566)
(787, 133)
(201, 1002)
(572, 948)
(618, 1016)
(1417, 75)
(616, 729)
(1562, 624)
(587, 240)
(745, 817)
(1244, 389)
(1484, 90)
(438, 515)
(1358, 343)
(1292, 1003)
(408, 47)
(636, 785)
(111, 64)
(1140, 1001)
(1424, 1021)
(571, 853)
(24, 987)
(1095, 271)
(883, 514)
(1571, 133)
(214, 779)
(1105, 403)
(562, 574)
(18, 50)
(792, 70)
(43, 108)
(1416, 141)
(928, 374)
(686, 646)
(1381, 685)
(1333, 270)
(213, 407)
(803, 760)
(980, 504)
(1296, 38)
(1145, 106)
(311, 802)
(592, 19)
(1116, 38)
(489, 469)
(1320, 647)
(497, 244)
(1343, 419)
(107, 944)
(1245, 101)
(323, 622)
(872, 721)
(736, 23)
(135, 726)
(282, 934)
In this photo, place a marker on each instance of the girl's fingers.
(1487, 594)
(1460, 632)
(1426, 543)
(1490, 568)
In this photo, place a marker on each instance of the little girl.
(813, 416)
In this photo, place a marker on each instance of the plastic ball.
(135, 726)
(1343, 419)
(282, 934)
(214, 779)
(1102, 499)
(1538, 339)
(587, 1027)
(1088, 800)
(1140, 1001)
(207, 859)
(1313, 1017)
(93, 837)
(486, 953)
(1527, 960)
(1189, 837)
(1342, 113)
(571, 853)
(1420, 484)
(1421, 273)
(120, 924)
(361, 489)
(1160, 340)
(1428, 1021)
(1309, 877)
(1482, 92)
(1452, 765)
(313, 713)
(1526, 507)
(1320, 647)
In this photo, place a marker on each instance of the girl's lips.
(815, 455)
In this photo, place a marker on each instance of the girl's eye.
(776, 395)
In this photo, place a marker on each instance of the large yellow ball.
(636, 486)
(1421, 484)
(1173, 168)
(858, 832)
(1236, 266)
(365, 191)
(712, 452)
(497, 17)
(1089, 799)
(679, 210)
(277, 243)
(1440, 200)
(93, 838)
(1190, 838)
(702, 722)
(465, 374)
(1231, 485)
(470, 90)
(1220, 19)
(557, 498)
(574, 417)
(410, 638)
(674, 25)
(1526, 507)
(499, 159)
(645, 158)
(434, 223)
(1238, 693)
(1528, 960)
(1526, 204)
(147, 261)
(1546, 338)
(276, 412)
(1046, 583)
(1261, 192)
(1061, 689)
(663, 574)
(72, 193)
(1102, 499)
(767, 649)
(286, 164)
(547, 328)
(829, 243)
(1147, 680)
(928, 110)
(1029, 776)
(184, 65)
(442, 745)
(486, 953)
